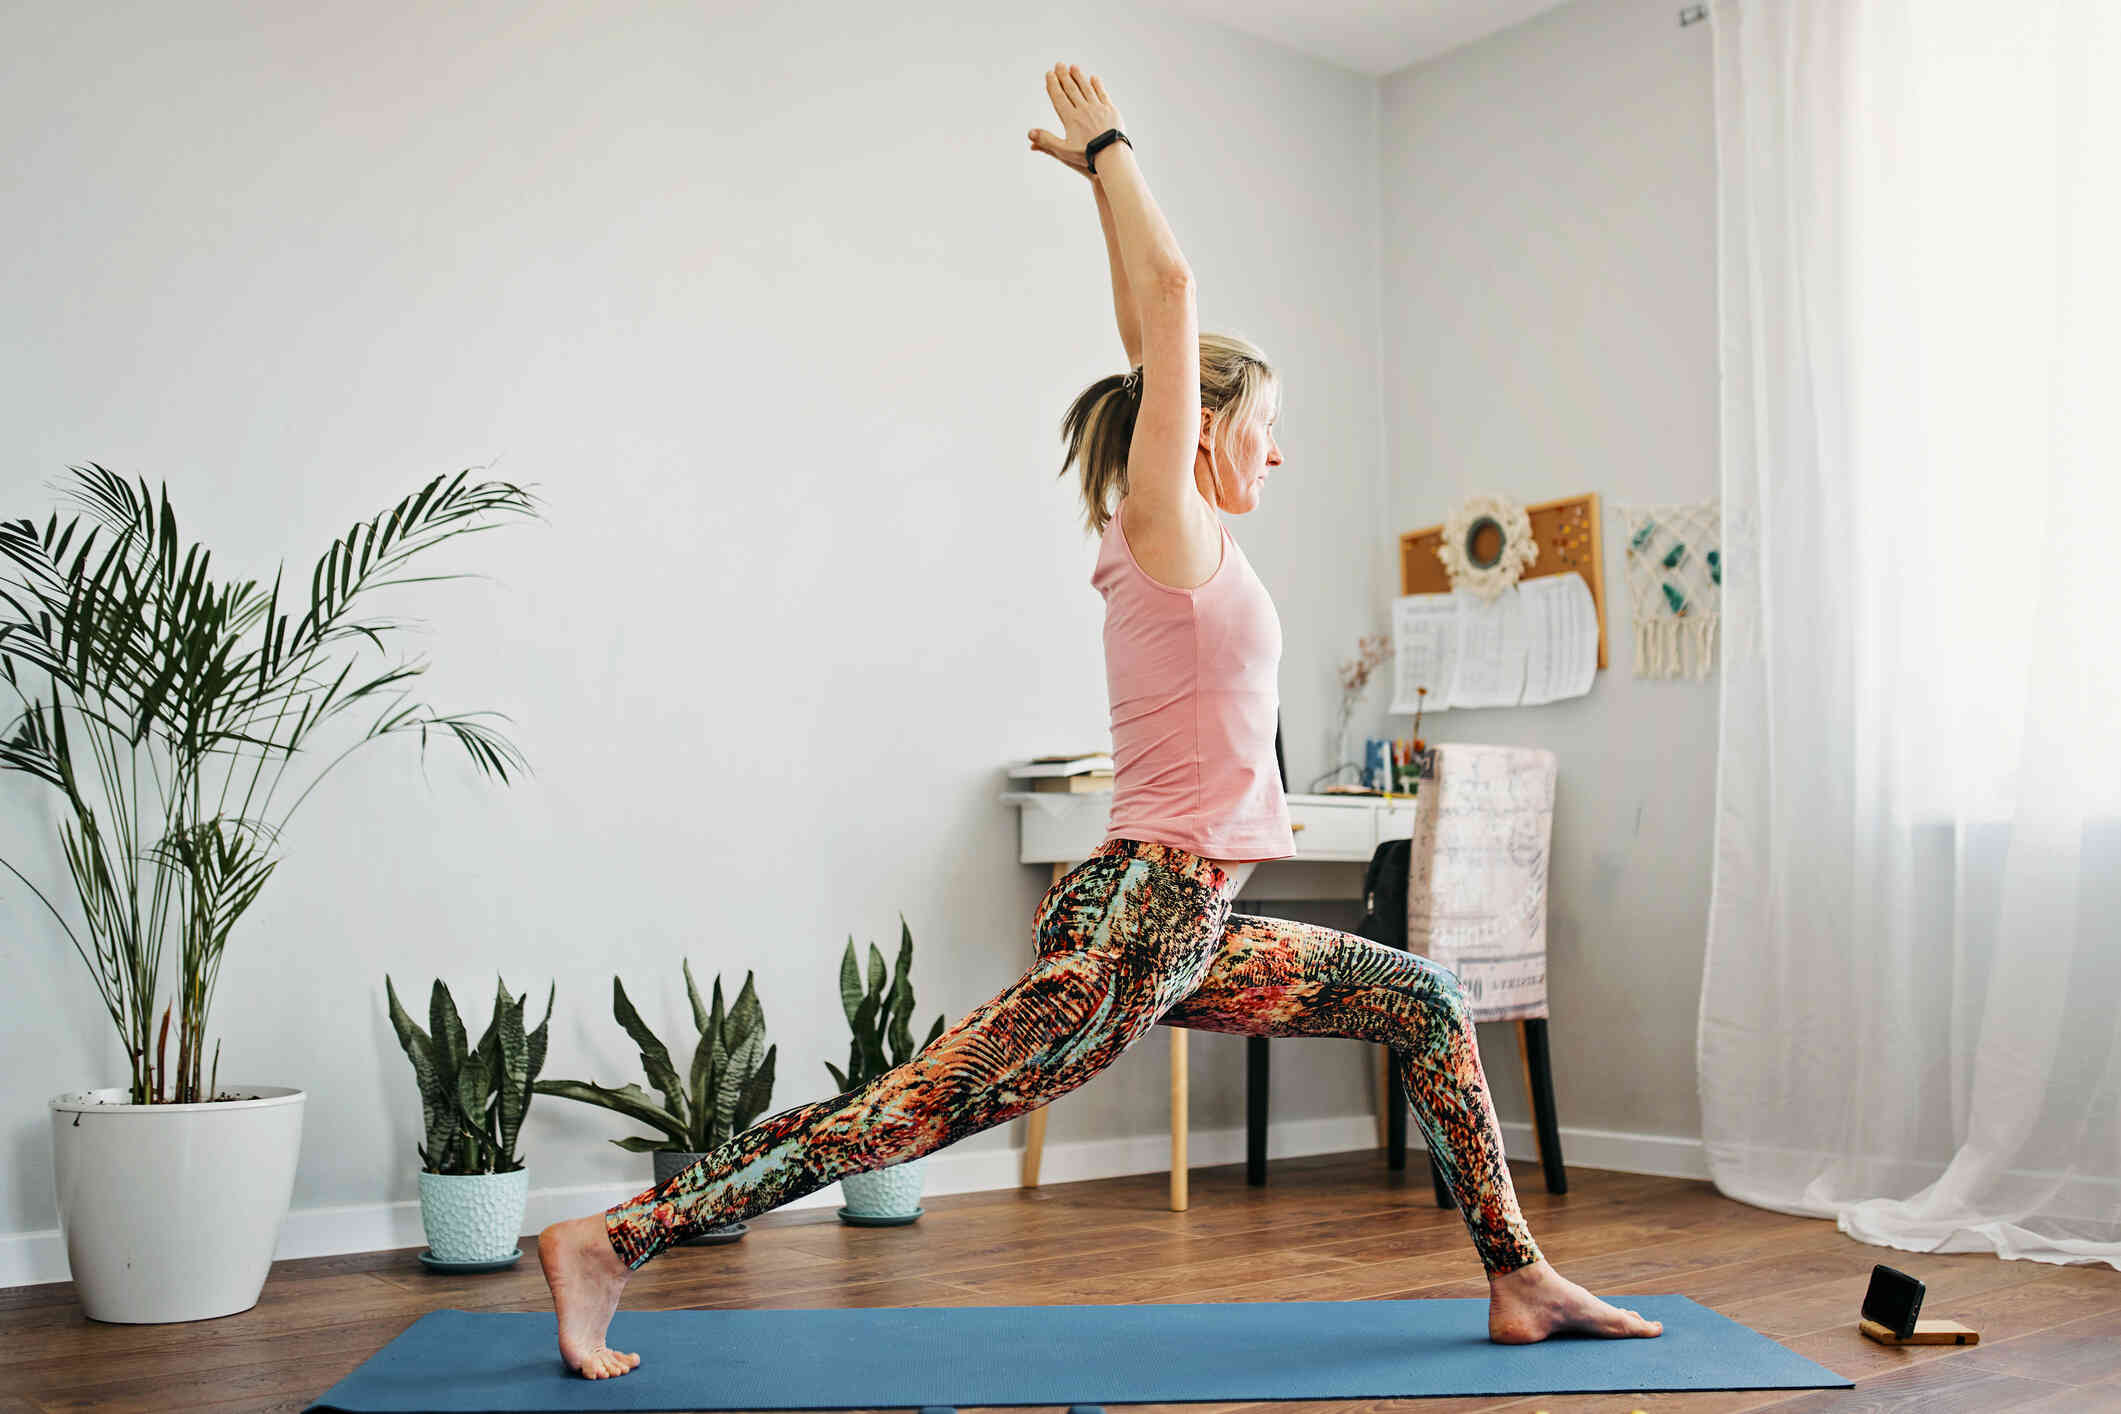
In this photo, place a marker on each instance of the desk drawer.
(1395, 823)
(1333, 831)
(1061, 826)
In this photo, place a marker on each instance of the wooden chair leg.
(1178, 1118)
(1384, 1095)
(1034, 1144)
(1035, 1122)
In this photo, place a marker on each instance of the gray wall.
(1550, 329)
(778, 312)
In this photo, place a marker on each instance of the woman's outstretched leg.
(1282, 977)
(1119, 940)
(1067, 1018)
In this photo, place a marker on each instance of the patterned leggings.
(1139, 933)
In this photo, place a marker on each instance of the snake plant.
(472, 1099)
(729, 1082)
(878, 1013)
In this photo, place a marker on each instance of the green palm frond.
(143, 650)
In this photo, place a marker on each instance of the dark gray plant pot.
(670, 1161)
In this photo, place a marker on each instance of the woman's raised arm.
(1167, 426)
(1124, 309)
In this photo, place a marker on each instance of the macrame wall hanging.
(1675, 586)
(1487, 542)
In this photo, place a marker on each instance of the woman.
(1142, 931)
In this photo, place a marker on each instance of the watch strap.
(1102, 141)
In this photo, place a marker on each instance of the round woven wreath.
(1473, 516)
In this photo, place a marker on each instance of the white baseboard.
(34, 1258)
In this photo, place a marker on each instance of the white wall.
(1550, 329)
(778, 314)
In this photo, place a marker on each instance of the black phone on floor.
(1893, 1300)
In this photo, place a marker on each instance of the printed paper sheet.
(1533, 644)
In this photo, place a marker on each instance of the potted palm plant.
(889, 1196)
(473, 1099)
(132, 668)
(728, 1084)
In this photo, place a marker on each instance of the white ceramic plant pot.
(473, 1217)
(890, 1192)
(172, 1212)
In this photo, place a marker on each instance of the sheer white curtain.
(1911, 1007)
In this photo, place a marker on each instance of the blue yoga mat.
(910, 1356)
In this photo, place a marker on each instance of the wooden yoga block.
(1926, 1333)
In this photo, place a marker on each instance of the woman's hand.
(1084, 111)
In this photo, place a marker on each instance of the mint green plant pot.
(890, 1192)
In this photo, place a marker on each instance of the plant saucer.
(871, 1220)
(491, 1264)
(714, 1236)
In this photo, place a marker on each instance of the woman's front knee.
(1458, 1006)
(1438, 991)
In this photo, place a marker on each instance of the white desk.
(1062, 829)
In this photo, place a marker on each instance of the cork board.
(1566, 532)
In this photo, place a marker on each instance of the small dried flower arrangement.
(1355, 672)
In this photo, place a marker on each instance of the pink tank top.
(1191, 676)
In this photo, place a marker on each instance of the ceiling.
(1373, 37)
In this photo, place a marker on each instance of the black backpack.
(1384, 894)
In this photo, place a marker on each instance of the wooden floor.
(1338, 1227)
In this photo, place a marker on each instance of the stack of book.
(1072, 774)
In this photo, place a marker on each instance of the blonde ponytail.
(1098, 428)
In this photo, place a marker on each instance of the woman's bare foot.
(586, 1277)
(1534, 1302)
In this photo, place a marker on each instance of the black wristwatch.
(1102, 141)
